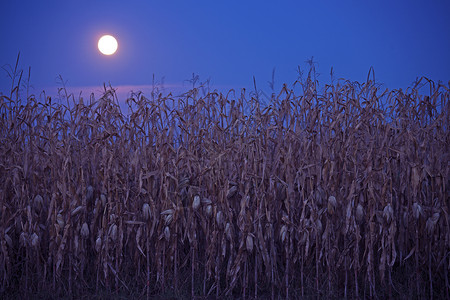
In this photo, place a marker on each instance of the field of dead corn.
(338, 193)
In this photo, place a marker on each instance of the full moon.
(107, 44)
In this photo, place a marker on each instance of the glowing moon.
(107, 44)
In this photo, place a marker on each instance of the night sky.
(227, 42)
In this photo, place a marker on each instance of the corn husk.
(332, 204)
(249, 243)
(34, 240)
(196, 202)
(84, 231)
(146, 211)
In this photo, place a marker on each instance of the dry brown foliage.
(340, 193)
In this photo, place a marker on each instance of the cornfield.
(341, 192)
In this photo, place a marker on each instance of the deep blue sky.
(227, 41)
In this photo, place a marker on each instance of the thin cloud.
(123, 92)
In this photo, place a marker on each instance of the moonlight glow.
(107, 44)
